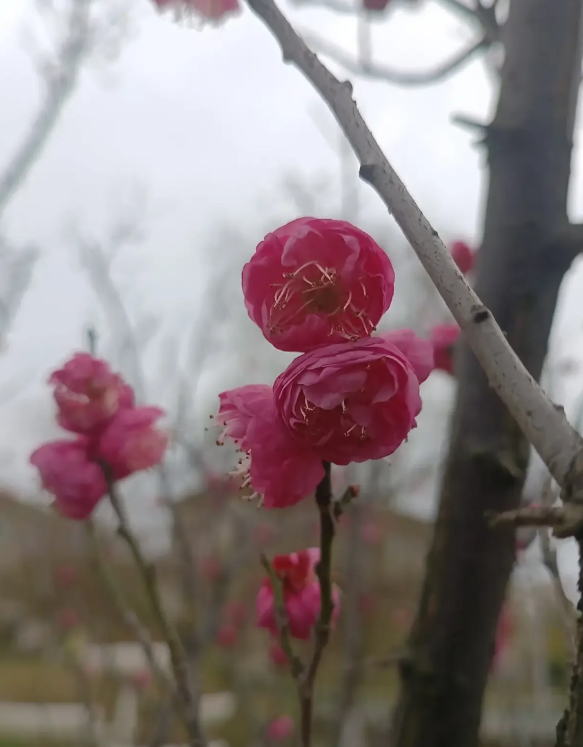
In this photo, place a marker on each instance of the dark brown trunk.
(519, 271)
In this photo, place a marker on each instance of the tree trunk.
(520, 267)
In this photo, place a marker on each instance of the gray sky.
(208, 124)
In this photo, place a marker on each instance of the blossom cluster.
(320, 287)
(113, 437)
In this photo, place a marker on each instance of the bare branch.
(59, 86)
(126, 613)
(480, 13)
(178, 658)
(544, 425)
(336, 6)
(381, 72)
(549, 553)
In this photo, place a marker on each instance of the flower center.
(318, 424)
(314, 289)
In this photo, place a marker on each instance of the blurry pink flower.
(66, 575)
(354, 401)
(212, 10)
(371, 533)
(301, 594)
(227, 636)
(131, 443)
(443, 337)
(376, 6)
(463, 256)
(280, 728)
(67, 473)
(236, 612)
(281, 471)
(210, 568)
(525, 536)
(88, 394)
(142, 679)
(278, 656)
(314, 282)
(68, 619)
(367, 603)
(503, 635)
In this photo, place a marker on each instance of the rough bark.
(519, 271)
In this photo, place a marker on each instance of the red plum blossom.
(131, 443)
(66, 471)
(316, 281)
(443, 337)
(88, 394)
(301, 594)
(116, 438)
(280, 728)
(280, 470)
(351, 402)
(463, 256)
(212, 10)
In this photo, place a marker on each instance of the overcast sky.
(204, 126)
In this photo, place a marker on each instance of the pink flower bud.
(280, 728)
(443, 337)
(463, 256)
(277, 656)
(301, 591)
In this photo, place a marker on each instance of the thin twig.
(382, 72)
(126, 613)
(324, 573)
(544, 425)
(549, 555)
(178, 656)
(59, 86)
(282, 622)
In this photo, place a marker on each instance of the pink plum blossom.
(88, 394)
(278, 656)
(66, 471)
(503, 636)
(131, 443)
(280, 728)
(355, 401)
(463, 256)
(279, 469)
(227, 636)
(212, 10)
(443, 337)
(301, 594)
(314, 282)
(236, 612)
